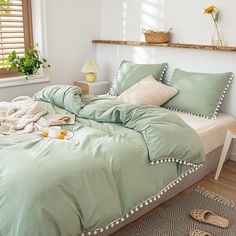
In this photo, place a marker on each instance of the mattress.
(212, 132)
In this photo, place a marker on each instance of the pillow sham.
(199, 93)
(148, 91)
(130, 73)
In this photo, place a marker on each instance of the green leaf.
(217, 16)
(29, 64)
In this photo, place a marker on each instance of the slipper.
(196, 232)
(209, 217)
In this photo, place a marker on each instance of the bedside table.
(95, 88)
(231, 134)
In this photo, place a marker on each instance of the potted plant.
(27, 65)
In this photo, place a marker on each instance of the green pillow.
(199, 93)
(130, 74)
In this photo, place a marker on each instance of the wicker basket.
(156, 37)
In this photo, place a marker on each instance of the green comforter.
(62, 188)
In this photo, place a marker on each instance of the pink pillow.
(148, 91)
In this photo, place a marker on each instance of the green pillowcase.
(199, 93)
(130, 73)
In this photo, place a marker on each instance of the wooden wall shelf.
(169, 45)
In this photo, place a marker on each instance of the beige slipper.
(209, 217)
(196, 232)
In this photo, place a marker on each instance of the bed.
(107, 175)
(212, 133)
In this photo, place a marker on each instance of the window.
(15, 29)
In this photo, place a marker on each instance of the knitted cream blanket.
(20, 115)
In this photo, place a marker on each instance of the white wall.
(70, 30)
(124, 19)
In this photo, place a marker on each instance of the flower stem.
(217, 30)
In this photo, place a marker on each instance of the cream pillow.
(148, 91)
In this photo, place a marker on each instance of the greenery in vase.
(27, 65)
(215, 14)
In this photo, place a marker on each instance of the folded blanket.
(20, 115)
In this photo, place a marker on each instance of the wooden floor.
(226, 186)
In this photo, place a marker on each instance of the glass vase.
(218, 37)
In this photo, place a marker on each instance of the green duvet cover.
(121, 157)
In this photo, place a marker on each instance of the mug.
(54, 131)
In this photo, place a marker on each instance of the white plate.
(68, 136)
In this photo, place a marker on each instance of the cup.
(54, 131)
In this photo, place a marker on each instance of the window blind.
(15, 28)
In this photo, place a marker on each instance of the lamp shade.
(90, 66)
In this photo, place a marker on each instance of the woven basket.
(156, 37)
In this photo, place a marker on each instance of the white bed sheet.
(212, 132)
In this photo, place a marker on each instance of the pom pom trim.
(149, 200)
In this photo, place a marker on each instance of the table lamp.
(90, 68)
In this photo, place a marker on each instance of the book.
(61, 119)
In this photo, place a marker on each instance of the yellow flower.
(210, 9)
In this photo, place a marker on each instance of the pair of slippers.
(208, 217)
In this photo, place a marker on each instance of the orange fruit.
(60, 136)
(44, 134)
(64, 132)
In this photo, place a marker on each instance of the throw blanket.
(19, 115)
